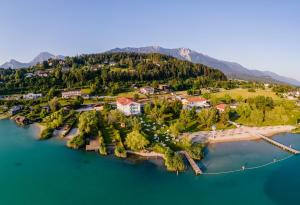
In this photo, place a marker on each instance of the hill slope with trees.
(105, 73)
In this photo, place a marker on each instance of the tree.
(102, 148)
(76, 142)
(78, 101)
(225, 116)
(136, 141)
(244, 110)
(54, 104)
(136, 96)
(50, 94)
(89, 123)
(208, 117)
(173, 161)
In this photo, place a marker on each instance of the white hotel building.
(128, 106)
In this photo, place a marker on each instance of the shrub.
(173, 161)
(120, 151)
(77, 142)
(46, 133)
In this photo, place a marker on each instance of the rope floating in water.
(248, 168)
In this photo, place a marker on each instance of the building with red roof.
(128, 106)
(197, 102)
(221, 107)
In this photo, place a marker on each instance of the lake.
(47, 172)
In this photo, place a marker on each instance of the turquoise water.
(34, 173)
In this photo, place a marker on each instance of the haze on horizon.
(259, 35)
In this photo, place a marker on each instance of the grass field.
(235, 93)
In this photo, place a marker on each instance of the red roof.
(221, 106)
(124, 101)
(196, 99)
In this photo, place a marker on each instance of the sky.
(259, 34)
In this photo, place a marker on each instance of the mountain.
(231, 69)
(43, 56)
(14, 64)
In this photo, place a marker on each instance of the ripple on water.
(282, 185)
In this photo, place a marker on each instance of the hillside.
(109, 73)
(231, 69)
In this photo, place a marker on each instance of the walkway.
(284, 147)
(193, 164)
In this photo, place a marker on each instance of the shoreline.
(242, 133)
(39, 129)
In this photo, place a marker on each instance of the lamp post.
(213, 131)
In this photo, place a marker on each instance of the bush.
(136, 141)
(77, 142)
(102, 148)
(173, 161)
(46, 133)
(120, 151)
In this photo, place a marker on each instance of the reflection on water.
(234, 155)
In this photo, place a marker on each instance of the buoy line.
(248, 168)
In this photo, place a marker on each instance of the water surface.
(46, 172)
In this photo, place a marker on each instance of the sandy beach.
(39, 129)
(239, 134)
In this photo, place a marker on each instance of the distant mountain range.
(231, 69)
(38, 59)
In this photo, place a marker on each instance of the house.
(165, 88)
(147, 90)
(32, 96)
(41, 73)
(15, 109)
(221, 107)
(292, 95)
(98, 107)
(71, 94)
(112, 63)
(128, 106)
(194, 102)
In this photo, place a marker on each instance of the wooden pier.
(93, 146)
(193, 164)
(282, 146)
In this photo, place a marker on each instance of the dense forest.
(108, 73)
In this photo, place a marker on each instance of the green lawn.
(235, 93)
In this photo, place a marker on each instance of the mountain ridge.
(231, 69)
(43, 56)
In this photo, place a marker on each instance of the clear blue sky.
(261, 34)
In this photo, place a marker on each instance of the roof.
(221, 106)
(196, 99)
(147, 88)
(125, 101)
